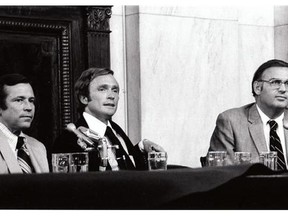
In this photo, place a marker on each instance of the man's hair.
(271, 63)
(83, 82)
(9, 80)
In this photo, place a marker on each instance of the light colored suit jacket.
(241, 129)
(9, 163)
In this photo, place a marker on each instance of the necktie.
(275, 145)
(122, 157)
(23, 157)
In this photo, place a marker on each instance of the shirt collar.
(95, 124)
(265, 118)
(11, 138)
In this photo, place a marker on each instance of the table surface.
(230, 187)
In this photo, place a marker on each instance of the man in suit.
(97, 92)
(16, 114)
(248, 128)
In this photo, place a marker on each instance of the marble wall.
(191, 63)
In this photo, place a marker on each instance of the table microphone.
(72, 128)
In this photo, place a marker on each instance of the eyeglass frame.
(275, 80)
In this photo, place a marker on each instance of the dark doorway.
(52, 45)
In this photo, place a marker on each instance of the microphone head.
(71, 127)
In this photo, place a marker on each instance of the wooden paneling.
(98, 30)
(52, 46)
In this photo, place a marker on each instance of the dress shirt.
(99, 127)
(279, 131)
(11, 138)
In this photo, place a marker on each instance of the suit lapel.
(8, 155)
(256, 129)
(285, 120)
(285, 125)
(128, 143)
(123, 135)
(81, 122)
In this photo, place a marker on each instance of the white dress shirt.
(279, 131)
(11, 138)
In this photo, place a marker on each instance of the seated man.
(261, 126)
(19, 153)
(98, 93)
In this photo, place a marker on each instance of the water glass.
(79, 162)
(60, 162)
(269, 159)
(216, 158)
(157, 160)
(242, 158)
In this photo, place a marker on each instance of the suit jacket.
(241, 129)
(67, 143)
(9, 163)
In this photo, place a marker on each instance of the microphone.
(89, 133)
(72, 128)
(103, 150)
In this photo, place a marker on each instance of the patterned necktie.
(275, 145)
(122, 157)
(23, 156)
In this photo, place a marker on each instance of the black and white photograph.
(133, 106)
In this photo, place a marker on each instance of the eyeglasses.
(275, 83)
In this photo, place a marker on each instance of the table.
(230, 187)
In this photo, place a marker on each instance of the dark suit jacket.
(9, 163)
(241, 129)
(67, 142)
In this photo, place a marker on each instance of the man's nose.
(283, 87)
(28, 105)
(111, 95)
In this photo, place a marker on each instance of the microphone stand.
(91, 141)
(103, 148)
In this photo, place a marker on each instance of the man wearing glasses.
(261, 126)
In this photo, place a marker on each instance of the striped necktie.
(23, 156)
(275, 145)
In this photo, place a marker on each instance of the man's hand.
(150, 146)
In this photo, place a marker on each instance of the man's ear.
(257, 86)
(83, 99)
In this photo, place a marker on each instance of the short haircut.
(9, 80)
(271, 63)
(83, 82)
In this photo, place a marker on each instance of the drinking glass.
(216, 158)
(157, 160)
(79, 162)
(242, 158)
(269, 159)
(60, 162)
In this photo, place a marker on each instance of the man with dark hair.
(261, 126)
(97, 92)
(19, 153)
